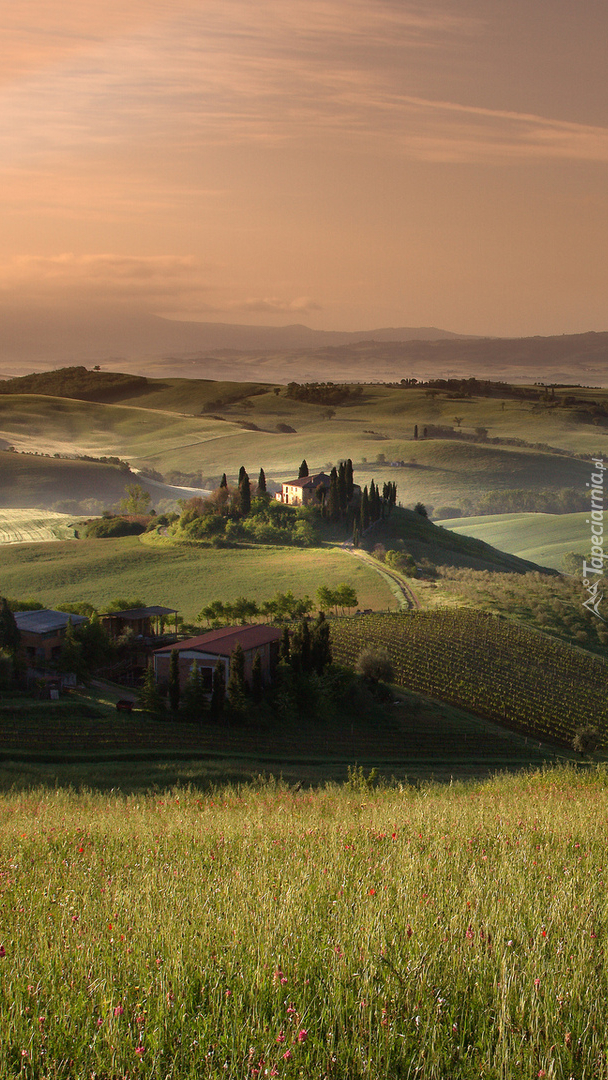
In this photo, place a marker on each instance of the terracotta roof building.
(303, 491)
(206, 649)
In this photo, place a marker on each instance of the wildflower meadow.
(348, 931)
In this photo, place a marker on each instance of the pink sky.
(341, 163)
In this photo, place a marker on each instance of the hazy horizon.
(332, 163)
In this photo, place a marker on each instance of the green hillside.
(29, 481)
(179, 576)
(424, 539)
(541, 538)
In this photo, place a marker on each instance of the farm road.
(405, 594)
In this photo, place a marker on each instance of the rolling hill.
(541, 538)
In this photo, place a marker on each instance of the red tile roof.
(222, 642)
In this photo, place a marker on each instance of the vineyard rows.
(495, 668)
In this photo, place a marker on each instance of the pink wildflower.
(302, 1035)
(287, 1055)
(118, 1011)
(280, 1037)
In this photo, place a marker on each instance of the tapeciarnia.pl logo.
(593, 571)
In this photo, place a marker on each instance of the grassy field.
(436, 932)
(541, 538)
(179, 576)
(25, 526)
(174, 436)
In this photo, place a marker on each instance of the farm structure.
(42, 634)
(144, 622)
(219, 644)
(303, 491)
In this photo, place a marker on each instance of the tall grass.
(348, 932)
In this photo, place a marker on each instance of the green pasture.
(349, 932)
(540, 538)
(169, 427)
(179, 576)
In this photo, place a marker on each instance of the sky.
(347, 164)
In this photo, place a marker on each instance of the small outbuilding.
(144, 622)
(219, 644)
(42, 634)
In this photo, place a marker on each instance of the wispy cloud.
(272, 72)
(170, 284)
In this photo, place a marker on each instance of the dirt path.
(407, 596)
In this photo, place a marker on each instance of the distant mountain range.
(150, 345)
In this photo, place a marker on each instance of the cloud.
(168, 284)
(277, 71)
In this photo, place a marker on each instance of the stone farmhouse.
(303, 491)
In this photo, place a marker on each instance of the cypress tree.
(223, 481)
(195, 701)
(242, 473)
(245, 494)
(236, 688)
(342, 500)
(149, 697)
(303, 470)
(284, 647)
(218, 695)
(174, 687)
(306, 647)
(9, 631)
(333, 498)
(262, 483)
(350, 485)
(256, 679)
(415, 431)
(364, 510)
(320, 648)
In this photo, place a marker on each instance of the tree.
(421, 509)
(242, 473)
(256, 679)
(223, 481)
(174, 686)
(303, 471)
(9, 631)
(195, 699)
(137, 500)
(345, 596)
(149, 697)
(342, 499)
(284, 647)
(71, 659)
(350, 485)
(218, 695)
(375, 665)
(245, 494)
(320, 647)
(333, 498)
(261, 483)
(415, 431)
(324, 598)
(364, 510)
(236, 688)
